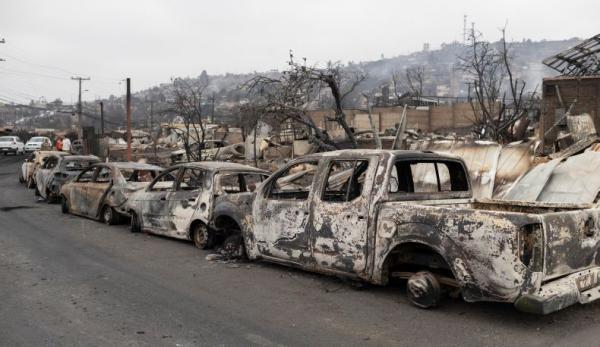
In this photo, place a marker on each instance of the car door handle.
(361, 217)
(191, 199)
(163, 198)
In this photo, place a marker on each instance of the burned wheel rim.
(423, 290)
(107, 215)
(200, 236)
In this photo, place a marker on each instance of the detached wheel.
(201, 237)
(423, 290)
(136, 226)
(64, 205)
(109, 216)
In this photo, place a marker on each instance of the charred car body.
(101, 190)
(32, 163)
(197, 201)
(58, 170)
(376, 215)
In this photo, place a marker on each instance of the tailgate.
(572, 241)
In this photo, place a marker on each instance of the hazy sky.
(151, 41)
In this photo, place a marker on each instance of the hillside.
(442, 79)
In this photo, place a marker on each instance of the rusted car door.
(340, 214)
(78, 191)
(154, 203)
(192, 192)
(97, 190)
(281, 219)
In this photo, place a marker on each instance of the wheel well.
(226, 222)
(414, 257)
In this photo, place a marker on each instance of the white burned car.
(194, 201)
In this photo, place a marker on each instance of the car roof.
(130, 165)
(220, 166)
(80, 157)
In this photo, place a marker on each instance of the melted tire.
(135, 226)
(64, 205)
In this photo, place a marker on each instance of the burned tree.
(415, 77)
(289, 96)
(188, 105)
(496, 107)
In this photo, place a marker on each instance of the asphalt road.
(66, 280)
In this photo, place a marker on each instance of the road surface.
(66, 280)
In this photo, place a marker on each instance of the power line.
(33, 73)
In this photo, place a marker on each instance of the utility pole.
(79, 107)
(102, 119)
(128, 105)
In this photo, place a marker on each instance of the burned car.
(101, 191)
(377, 215)
(32, 163)
(195, 201)
(58, 170)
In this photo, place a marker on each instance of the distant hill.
(442, 79)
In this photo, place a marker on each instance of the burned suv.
(196, 201)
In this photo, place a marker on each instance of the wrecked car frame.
(198, 201)
(101, 191)
(57, 171)
(375, 215)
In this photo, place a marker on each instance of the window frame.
(355, 166)
(410, 196)
(279, 174)
(179, 179)
(91, 168)
(97, 173)
(156, 180)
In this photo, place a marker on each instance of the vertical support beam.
(128, 108)
(79, 108)
(429, 121)
(102, 119)
(453, 107)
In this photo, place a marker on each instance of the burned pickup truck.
(197, 201)
(376, 215)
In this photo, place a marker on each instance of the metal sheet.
(531, 185)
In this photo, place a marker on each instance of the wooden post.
(128, 105)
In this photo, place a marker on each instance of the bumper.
(563, 292)
(32, 149)
(9, 149)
